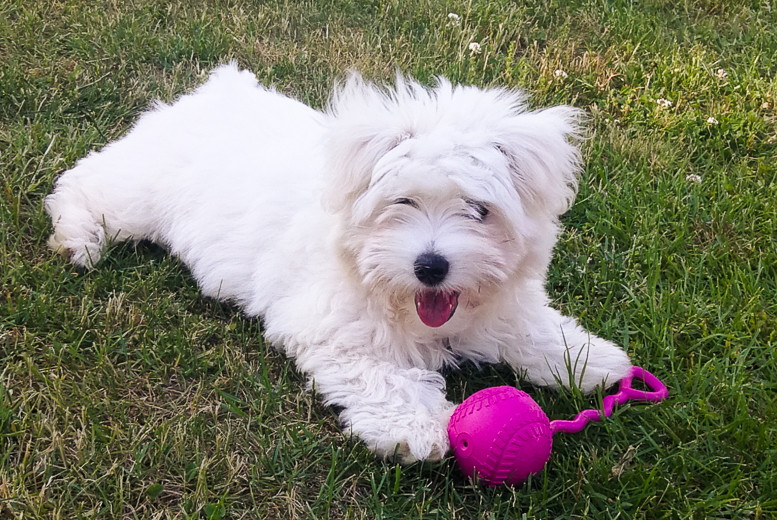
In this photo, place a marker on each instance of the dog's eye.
(407, 202)
(480, 208)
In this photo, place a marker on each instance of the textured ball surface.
(501, 435)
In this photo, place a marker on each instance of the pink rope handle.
(626, 392)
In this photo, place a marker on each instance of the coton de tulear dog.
(402, 230)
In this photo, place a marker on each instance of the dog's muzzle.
(434, 307)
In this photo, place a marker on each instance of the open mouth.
(435, 308)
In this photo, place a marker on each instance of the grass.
(124, 394)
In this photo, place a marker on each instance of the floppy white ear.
(544, 158)
(364, 125)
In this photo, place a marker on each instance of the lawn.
(125, 394)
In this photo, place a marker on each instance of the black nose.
(431, 268)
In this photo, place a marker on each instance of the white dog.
(402, 230)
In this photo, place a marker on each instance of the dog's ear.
(542, 149)
(364, 126)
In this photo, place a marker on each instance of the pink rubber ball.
(501, 435)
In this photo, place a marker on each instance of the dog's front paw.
(600, 362)
(409, 450)
(409, 437)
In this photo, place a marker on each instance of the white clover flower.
(722, 74)
(712, 121)
(474, 48)
(561, 74)
(693, 178)
(663, 103)
(454, 19)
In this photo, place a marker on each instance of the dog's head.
(447, 196)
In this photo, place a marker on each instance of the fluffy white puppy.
(402, 230)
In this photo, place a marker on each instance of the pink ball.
(501, 435)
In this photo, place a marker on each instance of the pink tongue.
(435, 308)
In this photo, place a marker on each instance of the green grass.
(124, 394)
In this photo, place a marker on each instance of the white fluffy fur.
(313, 220)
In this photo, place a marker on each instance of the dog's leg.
(110, 196)
(96, 203)
(398, 413)
(556, 350)
(78, 235)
